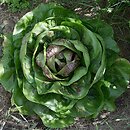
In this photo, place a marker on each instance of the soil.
(10, 119)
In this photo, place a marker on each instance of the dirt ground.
(10, 119)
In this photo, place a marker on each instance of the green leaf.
(26, 59)
(22, 104)
(119, 76)
(111, 44)
(52, 101)
(7, 78)
(18, 67)
(109, 102)
(90, 105)
(7, 69)
(111, 56)
(80, 47)
(64, 31)
(50, 119)
(88, 37)
(100, 72)
(91, 41)
(78, 73)
(100, 27)
(39, 28)
(110, 105)
(51, 63)
(22, 25)
(77, 90)
(40, 59)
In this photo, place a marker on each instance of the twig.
(2, 126)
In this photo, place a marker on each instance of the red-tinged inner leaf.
(54, 50)
(60, 61)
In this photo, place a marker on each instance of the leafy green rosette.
(59, 66)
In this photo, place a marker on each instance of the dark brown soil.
(10, 119)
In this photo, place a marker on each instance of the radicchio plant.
(59, 66)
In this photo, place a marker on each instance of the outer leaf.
(7, 70)
(50, 119)
(119, 76)
(52, 101)
(22, 104)
(105, 31)
(91, 104)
